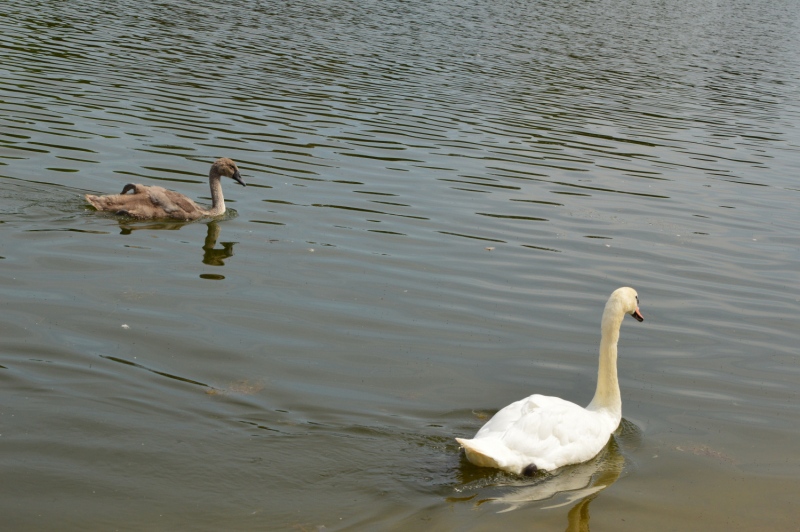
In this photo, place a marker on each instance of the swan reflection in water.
(576, 485)
(211, 256)
(126, 228)
(579, 483)
(215, 257)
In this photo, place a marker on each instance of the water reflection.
(574, 486)
(125, 228)
(581, 483)
(211, 256)
(215, 257)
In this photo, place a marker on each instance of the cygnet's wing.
(115, 202)
(148, 203)
(174, 205)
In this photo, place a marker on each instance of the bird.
(542, 433)
(157, 202)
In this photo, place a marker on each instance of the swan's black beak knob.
(638, 315)
(238, 178)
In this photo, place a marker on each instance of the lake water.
(441, 196)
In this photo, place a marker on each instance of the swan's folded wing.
(546, 431)
(557, 434)
(506, 417)
(136, 204)
(173, 204)
(526, 414)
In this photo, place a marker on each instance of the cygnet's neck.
(217, 201)
(607, 395)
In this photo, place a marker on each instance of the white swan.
(147, 203)
(541, 432)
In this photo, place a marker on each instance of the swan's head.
(226, 167)
(626, 300)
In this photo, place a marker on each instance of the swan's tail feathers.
(113, 202)
(95, 201)
(479, 453)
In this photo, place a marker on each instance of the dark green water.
(441, 196)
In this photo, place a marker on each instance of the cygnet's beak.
(638, 315)
(238, 178)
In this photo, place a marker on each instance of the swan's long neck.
(607, 395)
(217, 201)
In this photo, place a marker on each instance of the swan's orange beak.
(638, 315)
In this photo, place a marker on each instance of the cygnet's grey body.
(157, 202)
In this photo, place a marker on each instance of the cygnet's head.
(628, 300)
(226, 167)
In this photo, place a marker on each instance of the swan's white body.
(541, 432)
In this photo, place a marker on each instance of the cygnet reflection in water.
(127, 229)
(215, 257)
(150, 203)
(211, 256)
